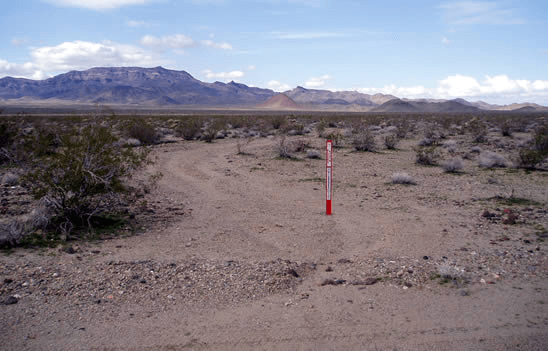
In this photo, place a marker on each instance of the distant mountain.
(325, 97)
(134, 85)
(162, 87)
(279, 102)
(396, 105)
(451, 106)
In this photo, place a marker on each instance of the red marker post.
(329, 175)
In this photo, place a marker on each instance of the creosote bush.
(536, 150)
(427, 155)
(84, 178)
(363, 140)
(189, 128)
(141, 130)
(391, 141)
(211, 129)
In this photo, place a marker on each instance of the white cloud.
(445, 41)
(176, 41)
(251, 68)
(132, 23)
(98, 4)
(478, 12)
(25, 70)
(78, 55)
(496, 89)
(278, 86)
(225, 76)
(318, 82)
(212, 44)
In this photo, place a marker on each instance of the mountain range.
(162, 87)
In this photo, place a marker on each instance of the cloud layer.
(224, 76)
(78, 55)
(497, 89)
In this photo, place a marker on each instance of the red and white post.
(329, 176)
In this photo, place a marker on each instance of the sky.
(493, 51)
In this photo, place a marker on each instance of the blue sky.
(495, 51)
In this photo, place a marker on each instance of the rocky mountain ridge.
(163, 87)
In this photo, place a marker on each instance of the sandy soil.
(242, 256)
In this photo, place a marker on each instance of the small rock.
(11, 300)
(329, 269)
(292, 272)
(463, 293)
(425, 257)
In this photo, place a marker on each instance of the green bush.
(536, 151)
(83, 178)
(189, 128)
(427, 155)
(144, 132)
(211, 129)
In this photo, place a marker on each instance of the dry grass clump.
(402, 178)
(453, 165)
(492, 160)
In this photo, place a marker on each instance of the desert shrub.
(391, 141)
(506, 128)
(453, 165)
(211, 129)
(427, 155)
(277, 121)
(313, 154)
(450, 146)
(10, 179)
(299, 145)
(283, 147)
(142, 130)
(294, 129)
(189, 128)
(478, 129)
(403, 129)
(84, 177)
(363, 140)
(336, 137)
(476, 150)
(402, 178)
(491, 160)
(534, 152)
(241, 145)
(320, 127)
(7, 139)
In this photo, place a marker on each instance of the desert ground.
(236, 253)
